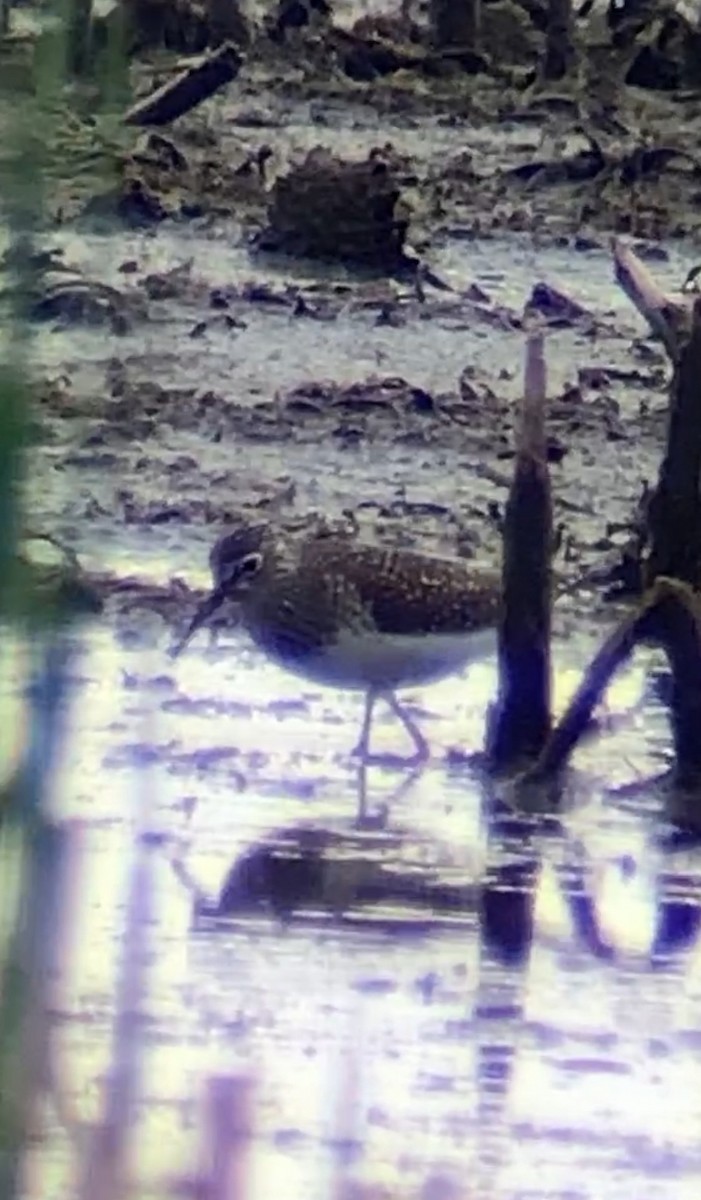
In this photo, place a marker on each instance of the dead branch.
(521, 720)
(667, 314)
(188, 89)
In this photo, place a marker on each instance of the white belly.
(362, 660)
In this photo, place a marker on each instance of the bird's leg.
(361, 751)
(361, 815)
(422, 751)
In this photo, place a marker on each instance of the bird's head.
(235, 560)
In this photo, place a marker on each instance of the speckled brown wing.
(407, 593)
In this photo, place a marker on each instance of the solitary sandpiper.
(350, 615)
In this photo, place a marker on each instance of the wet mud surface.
(532, 1009)
(333, 402)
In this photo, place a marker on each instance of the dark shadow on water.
(678, 928)
(505, 909)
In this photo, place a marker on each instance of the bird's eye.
(250, 564)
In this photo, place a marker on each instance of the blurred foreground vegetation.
(44, 123)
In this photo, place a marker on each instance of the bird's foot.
(366, 822)
(393, 762)
(398, 762)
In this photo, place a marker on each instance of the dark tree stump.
(335, 210)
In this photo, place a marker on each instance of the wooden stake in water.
(521, 722)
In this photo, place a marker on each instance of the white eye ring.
(250, 564)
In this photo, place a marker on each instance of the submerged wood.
(675, 509)
(188, 89)
(669, 616)
(521, 720)
(572, 725)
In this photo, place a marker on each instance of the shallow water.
(539, 1058)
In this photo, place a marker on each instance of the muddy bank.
(608, 146)
(131, 429)
(544, 169)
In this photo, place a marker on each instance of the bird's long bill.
(207, 608)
